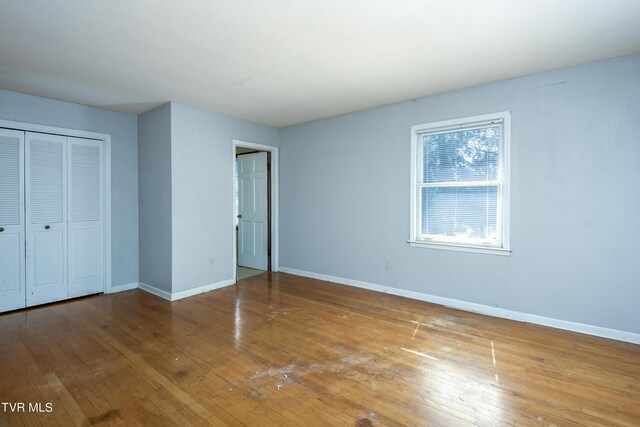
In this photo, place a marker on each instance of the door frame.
(275, 249)
(106, 140)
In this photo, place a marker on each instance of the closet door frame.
(106, 141)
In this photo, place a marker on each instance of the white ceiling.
(281, 62)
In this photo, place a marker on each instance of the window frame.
(453, 243)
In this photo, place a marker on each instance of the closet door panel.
(12, 280)
(86, 191)
(47, 248)
(46, 218)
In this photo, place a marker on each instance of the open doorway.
(254, 209)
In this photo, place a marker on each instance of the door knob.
(239, 216)
(1, 229)
(46, 227)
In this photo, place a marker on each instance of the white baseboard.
(184, 294)
(124, 287)
(478, 308)
(202, 289)
(155, 291)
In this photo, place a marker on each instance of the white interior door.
(252, 210)
(85, 216)
(12, 281)
(46, 185)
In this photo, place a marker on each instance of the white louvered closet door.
(12, 286)
(46, 193)
(85, 216)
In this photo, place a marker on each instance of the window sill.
(461, 248)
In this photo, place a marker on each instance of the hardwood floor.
(245, 272)
(283, 350)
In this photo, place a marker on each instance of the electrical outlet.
(387, 264)
(212, 262)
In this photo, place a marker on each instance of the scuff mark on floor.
(418, 353)
(275, 312)
(272, 372)
(350, 366)
(355, 361)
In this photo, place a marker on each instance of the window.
(460, 184)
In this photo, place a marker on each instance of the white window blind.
(459, 182)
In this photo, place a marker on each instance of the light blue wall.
(154, 180)
(202, 192)
(344, 189)
(124, 165)
(575, 197)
